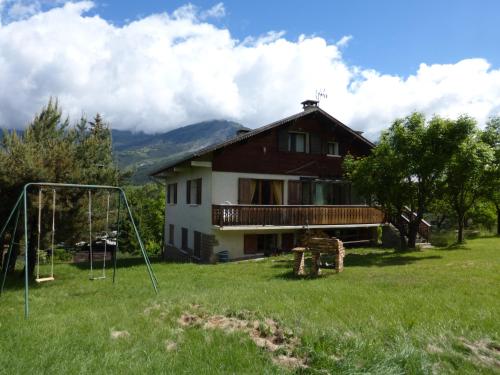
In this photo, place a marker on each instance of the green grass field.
(434, 311)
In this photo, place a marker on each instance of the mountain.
(142, 153)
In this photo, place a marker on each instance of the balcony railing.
(242, 215)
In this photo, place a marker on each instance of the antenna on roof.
(321, 93)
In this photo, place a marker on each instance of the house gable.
(259, 151)
(270, 151)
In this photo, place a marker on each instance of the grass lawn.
(435, 311)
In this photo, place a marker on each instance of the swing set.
(22, 206)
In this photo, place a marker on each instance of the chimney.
(309, 104)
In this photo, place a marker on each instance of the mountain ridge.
(139, 153)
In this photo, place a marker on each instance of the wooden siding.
(262, 154)
(241, 215)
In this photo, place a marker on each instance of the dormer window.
(297, 142)
(333, 149)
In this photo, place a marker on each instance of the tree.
(467, 177)
(406, 168)
(49, 150)
(491, 136)
(148, 206)
(380, 179)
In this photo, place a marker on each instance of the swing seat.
(44, 279)
(97, 278)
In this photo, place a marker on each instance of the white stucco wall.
(190, 216)
(217, 188)
(233, 241)
(225, 185)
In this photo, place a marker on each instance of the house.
(261, 190)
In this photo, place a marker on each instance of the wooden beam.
(202, 164)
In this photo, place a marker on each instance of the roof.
(241, 137)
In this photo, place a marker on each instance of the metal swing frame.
(38, 250)
(21, 205)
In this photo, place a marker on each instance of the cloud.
(168, 70)
(217, 11)
(344, 41)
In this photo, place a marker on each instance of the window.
(257, 191)
(318, 192)
(197, 244)
(260, 243)
(333, 148)
(193, 191)
(299, 192)
(297, 142)
(172, 193)
(171, 234)
(184, 244)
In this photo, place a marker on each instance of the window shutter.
(324, 148)
(198, 191)
(307, 192)
(294, 192)
(175, 193)
(342, 148)
(244, 191)
(282, 140)
(184, 243)
(171, 234)
(188, 191)
(315, 143)
(197, 244)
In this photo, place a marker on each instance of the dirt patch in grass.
(170, 345)
(115, 335)
(267, 334)
(483, 351)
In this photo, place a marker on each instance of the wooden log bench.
(318, 246)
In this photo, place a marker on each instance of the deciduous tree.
(466, 178)
(491, 136)
(407, 167)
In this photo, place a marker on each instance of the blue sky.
(157, 65)
(388, 35)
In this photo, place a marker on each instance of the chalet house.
(258, 192)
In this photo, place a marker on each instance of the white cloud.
(344, 41)
(217, 11)
(168, 70)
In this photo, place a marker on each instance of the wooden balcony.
(252, 215)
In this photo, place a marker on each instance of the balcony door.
(260, 191)
(318, 192)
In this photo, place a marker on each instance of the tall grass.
(387, 313)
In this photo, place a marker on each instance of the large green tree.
(50, 150)
(406, 168)
(466, 179)
(491, 136)
(148, 206)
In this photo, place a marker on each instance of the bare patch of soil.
(267, 334)
(434, 349)
(484, 351)
(170, 346)
(115, 335)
